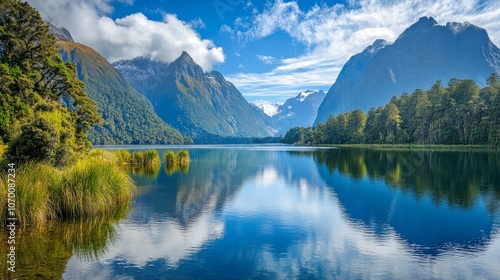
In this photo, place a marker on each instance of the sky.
(270, 50)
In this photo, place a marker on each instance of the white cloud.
(332, 34)
(197, 23)
(266, 59)
(267, 107)
(132, 36)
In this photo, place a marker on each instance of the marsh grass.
(170, 158)
(179, 161)
(183, 157)
(146, 158)
(123, 156)
(94, 187)
(34, 185)
(3, 149)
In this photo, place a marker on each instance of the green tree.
(422, 117)
(356, 123)
(390, 119)
(32, 73)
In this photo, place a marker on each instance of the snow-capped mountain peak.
(303, 95)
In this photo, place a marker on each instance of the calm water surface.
(280, 212)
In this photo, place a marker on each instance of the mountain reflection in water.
(277, 212)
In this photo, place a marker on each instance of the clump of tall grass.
(34, 185)
(102, 155)
(94, 187)
(148, 157)
(183, 157)
(170, 158)
(3, 149)
(179, 161)
(123, 156)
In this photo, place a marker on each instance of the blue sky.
(271, 50)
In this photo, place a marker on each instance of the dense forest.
(44, 112)
(459, 114)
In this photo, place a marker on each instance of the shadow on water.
(436, 201)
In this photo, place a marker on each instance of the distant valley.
(149, 101)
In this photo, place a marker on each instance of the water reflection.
(437, 201)
(264, 213)
(457, 178)
(44, 252)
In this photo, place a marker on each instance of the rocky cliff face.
(194, 102)
(423, 53)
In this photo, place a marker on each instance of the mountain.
(196, 103)
(129, 116)
(421, 55)
(297, 111)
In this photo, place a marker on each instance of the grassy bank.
(94, 186)
(406, 147)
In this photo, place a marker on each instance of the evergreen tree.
(34, 81)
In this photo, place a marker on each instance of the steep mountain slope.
(423, 53)
(297, 111)
(192, 101)
(129, 116)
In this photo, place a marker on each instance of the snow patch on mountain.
(303, 95)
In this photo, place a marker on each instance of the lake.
(280, 212)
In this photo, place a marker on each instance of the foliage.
(3, 148)
(34, 85)
(460, 114)
(146, 158)
(129, 116)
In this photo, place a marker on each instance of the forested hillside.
(461, 113)
(44, 112)
(129, 116)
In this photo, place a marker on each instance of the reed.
(183, 157)
(94, 187)
(123, 156)
(170, 158)
(179, 161)
(3, 148)
(102, 155)
(34, 184)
